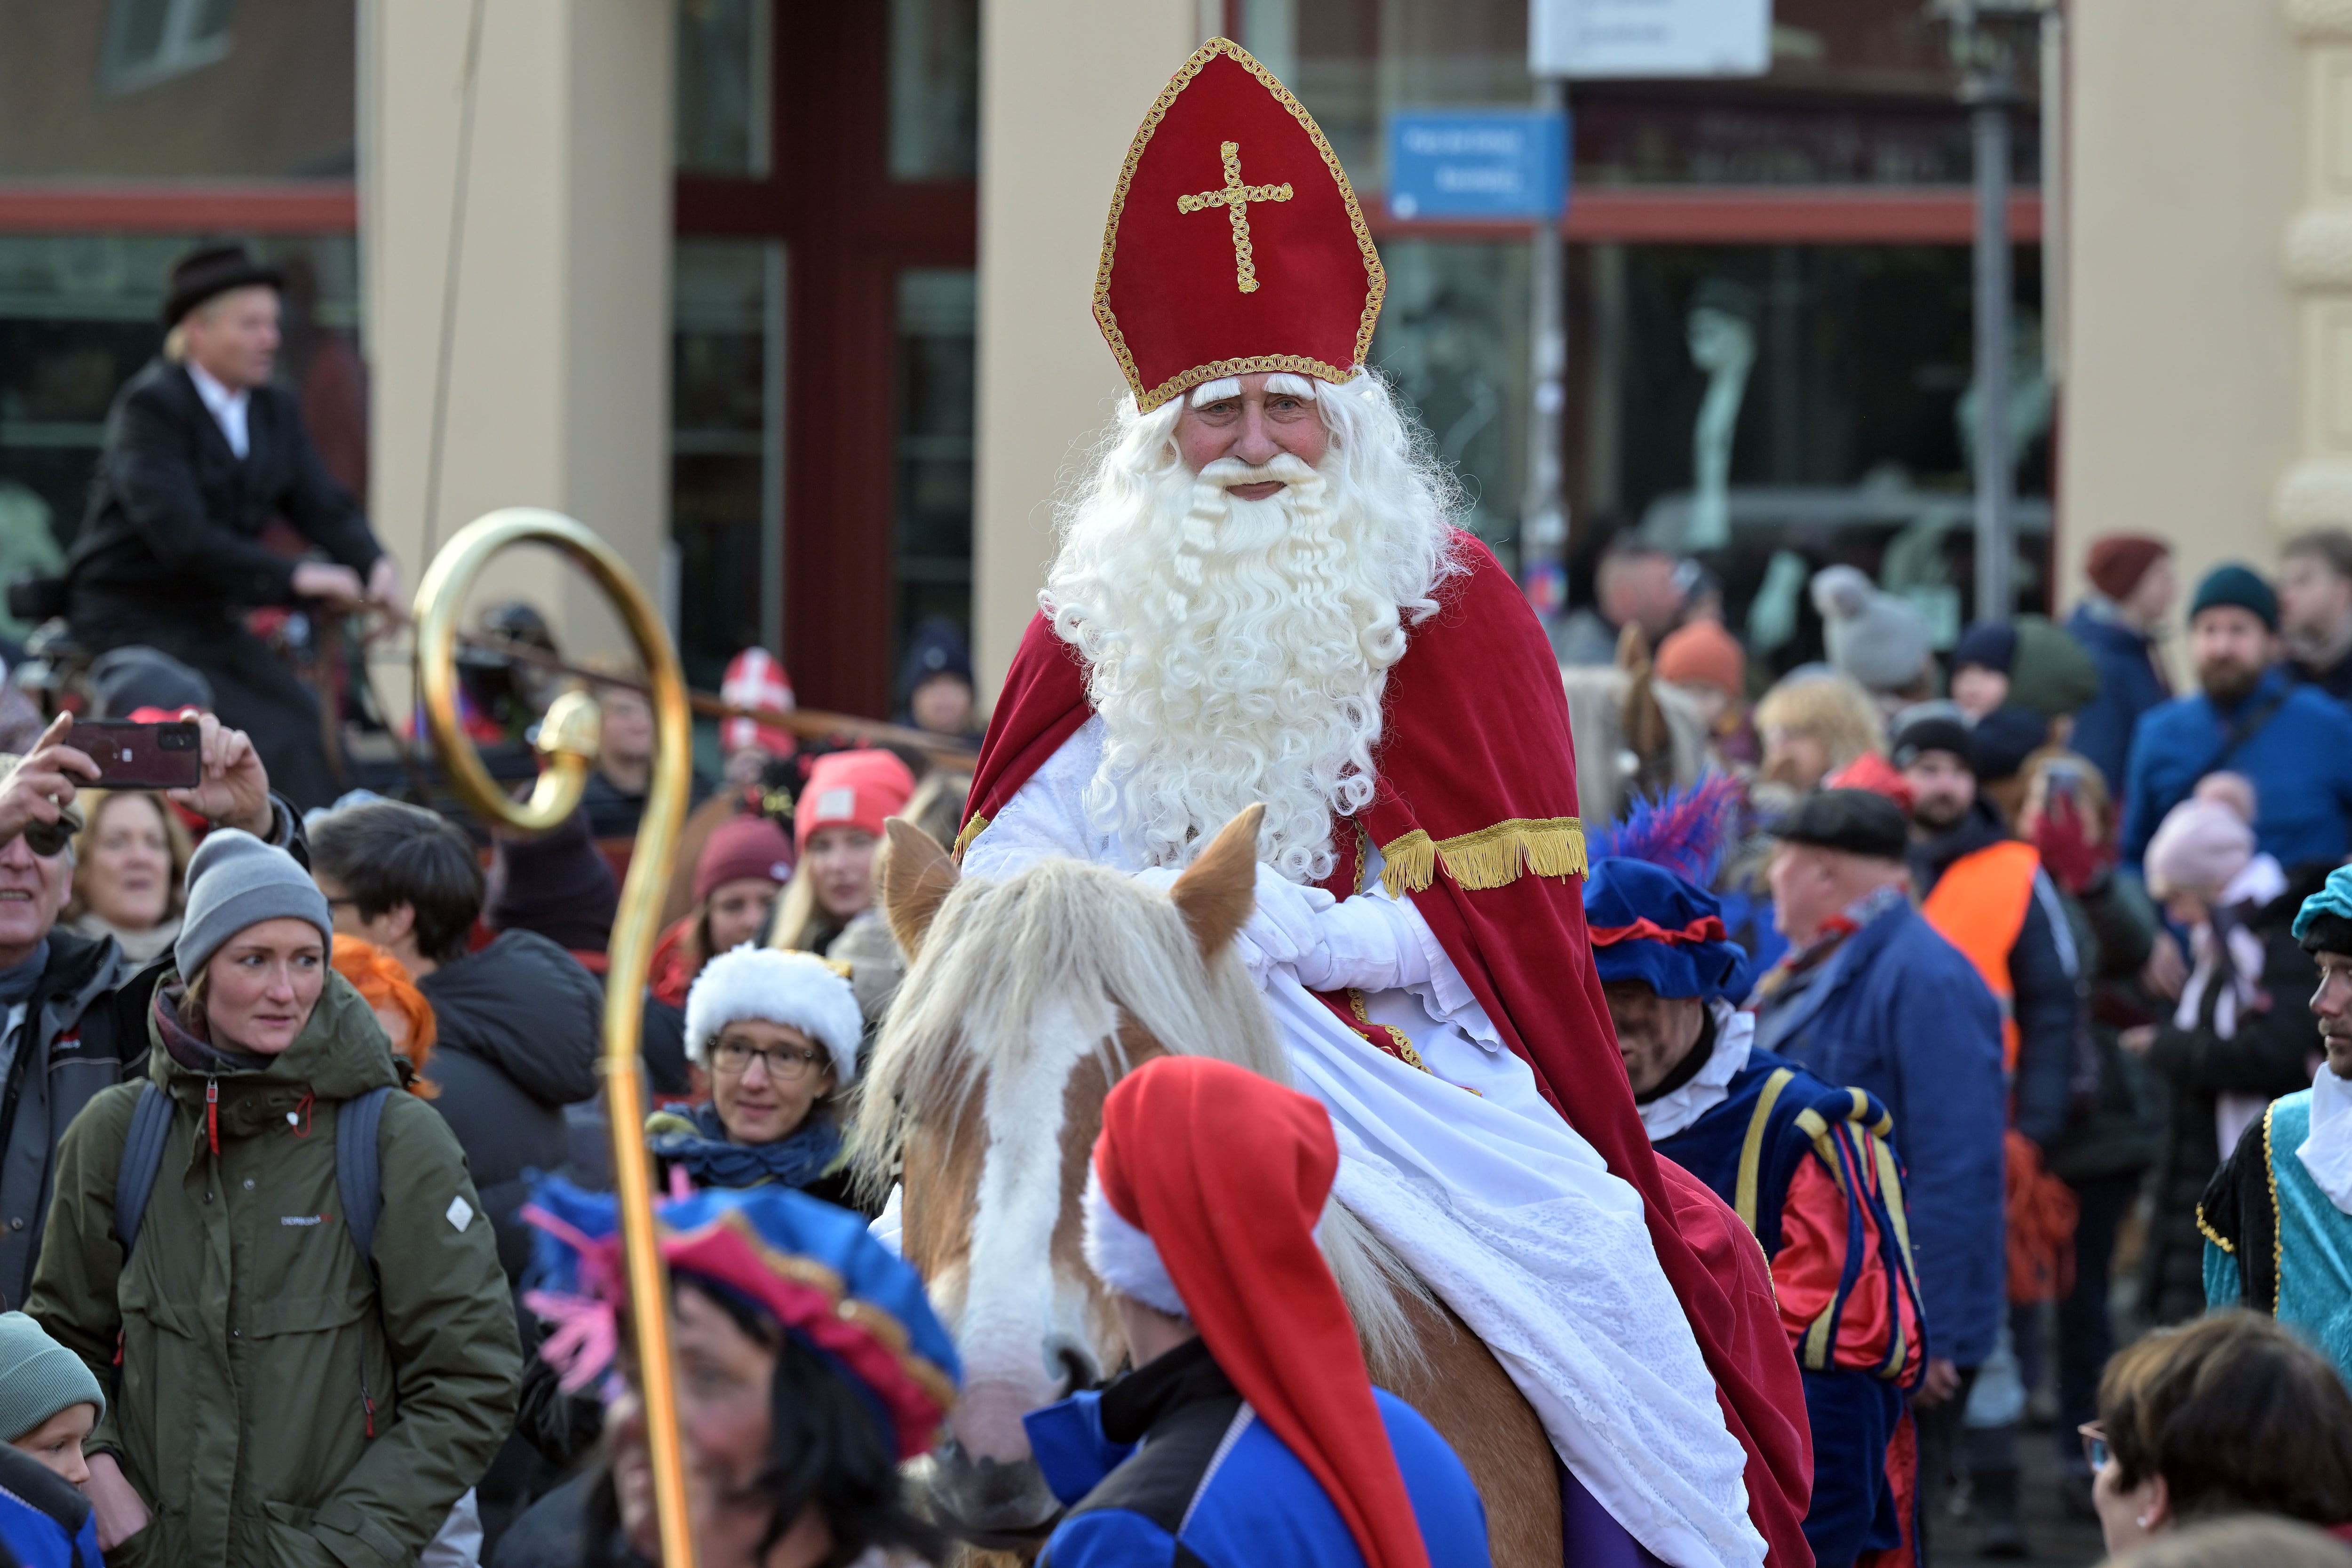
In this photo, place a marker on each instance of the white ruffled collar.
(2327, 1154)
(1735, 1035)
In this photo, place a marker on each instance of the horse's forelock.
(1060, 933)
(1069, 934)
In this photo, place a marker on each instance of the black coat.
(518, 1032)
(2269, 1055)
(175, 518)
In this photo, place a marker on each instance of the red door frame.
(847, 230)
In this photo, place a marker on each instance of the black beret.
(1858, 821)
(1933, 733)
(2327, 931)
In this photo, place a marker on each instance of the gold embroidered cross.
(1235, 199)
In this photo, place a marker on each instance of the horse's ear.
(1217, 891)
(917, 876)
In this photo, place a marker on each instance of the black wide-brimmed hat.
(204, 273)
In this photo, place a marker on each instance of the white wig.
(798, 989)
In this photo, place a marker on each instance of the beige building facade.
(2207, 396)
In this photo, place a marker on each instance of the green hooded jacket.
(273, 1407)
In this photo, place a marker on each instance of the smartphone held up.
(142, 756)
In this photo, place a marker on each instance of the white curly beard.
(1236, 650)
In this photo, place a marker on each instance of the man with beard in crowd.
(1258, 599)
(2314, 594)
(2247, 716)
(1985, 892)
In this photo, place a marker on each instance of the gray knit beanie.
(38, 1377)
(235, 880)
(1876, 637)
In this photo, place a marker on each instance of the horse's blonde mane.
(1069, 934)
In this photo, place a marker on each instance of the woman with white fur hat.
(771, 1038)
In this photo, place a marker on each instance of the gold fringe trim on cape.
(971, 830)
(1490, 857)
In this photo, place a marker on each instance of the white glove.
(1284, 930)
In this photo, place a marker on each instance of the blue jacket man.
(1872, 998)
(2293, 741)
(1249, 1432)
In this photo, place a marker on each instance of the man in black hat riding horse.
(201, 450)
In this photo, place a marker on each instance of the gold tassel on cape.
(1490, 857)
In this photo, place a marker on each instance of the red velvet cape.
(1476, 763)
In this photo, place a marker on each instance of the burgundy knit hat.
(743, 848)
(2118, 563)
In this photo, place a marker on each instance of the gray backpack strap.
(143, 1157)
(359, 1169)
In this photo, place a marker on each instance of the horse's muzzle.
(987, 1502)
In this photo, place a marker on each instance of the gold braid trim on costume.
(2215, 1236)
(971, 830)
(1490, 857)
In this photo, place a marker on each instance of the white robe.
(1507, 1214)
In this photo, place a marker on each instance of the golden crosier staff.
(568, 737)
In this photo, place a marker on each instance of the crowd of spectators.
(2069, 927)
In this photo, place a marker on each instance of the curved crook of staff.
(568, 738)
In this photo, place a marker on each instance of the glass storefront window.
(938, 314)
(78, 319)
(934, 89)
(179, 89)
(1453, 340)
(727, 499)
(1845, 371)
(1860, 93)
(724, 49)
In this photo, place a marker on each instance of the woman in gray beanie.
(262, 1355)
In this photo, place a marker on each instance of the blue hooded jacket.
(1897, 1011)
(1180, 1471)
(2130, 683)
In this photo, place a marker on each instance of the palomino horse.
(1026, 1000)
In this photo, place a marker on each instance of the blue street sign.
(1495, 163)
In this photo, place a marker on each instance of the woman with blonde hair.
(131, 859)
(1815, 723)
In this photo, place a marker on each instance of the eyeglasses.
(2094, 1444)
(785, 1065)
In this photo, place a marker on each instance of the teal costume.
(2273, 1241)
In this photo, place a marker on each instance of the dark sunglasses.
(48, 839)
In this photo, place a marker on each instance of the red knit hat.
(2118, 563)
(1704, 654)
(741, 848)
(1234, 243)
(1208, 1184)
(754, 679)
(853, 789)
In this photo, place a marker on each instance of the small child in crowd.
(49, 1401)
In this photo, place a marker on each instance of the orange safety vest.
(1979, 906)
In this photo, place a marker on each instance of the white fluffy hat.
(798, 989)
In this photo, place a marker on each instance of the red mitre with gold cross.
(1234, 243)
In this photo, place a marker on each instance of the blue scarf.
(697, 1139)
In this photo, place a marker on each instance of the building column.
(539, 363)
(1063, 85)
(2184, 166)
(2316, 490)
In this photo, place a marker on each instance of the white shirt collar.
(228, 408)
(1735, 1034)
(2327, 1152)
